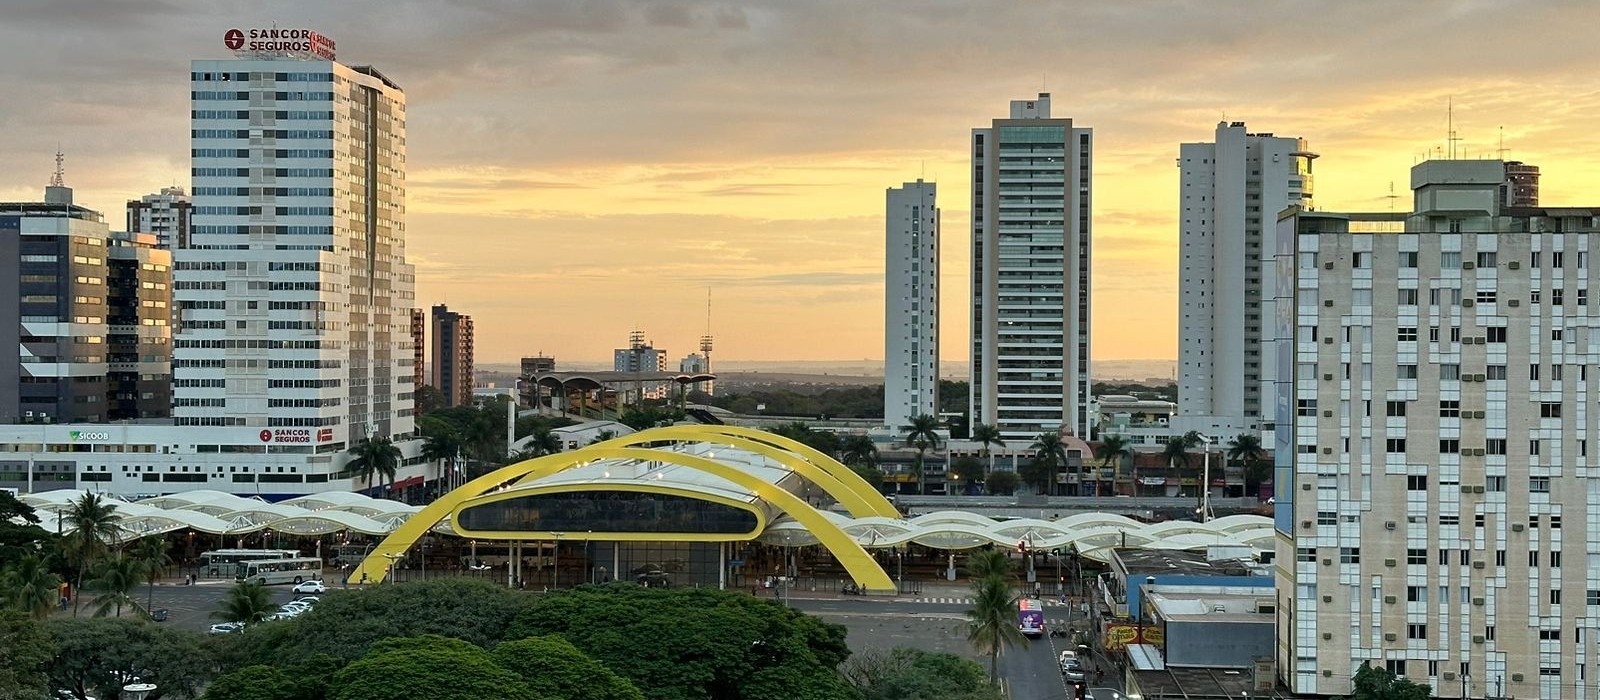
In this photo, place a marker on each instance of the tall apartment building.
(531, 393)
(911, 303)
(1230, 193)
(1438, 500)
(419, 347)
(642, 356)
(450, 368)
(1031, 189)
(84, 317)
(698, 363)
(294, 291)
(167, 215)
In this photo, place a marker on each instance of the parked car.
(159, 615)
(310, 587)
(307, 599)
(227, 627)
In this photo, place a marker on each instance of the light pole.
(394, 573)
(138, 691)
(1205, 481)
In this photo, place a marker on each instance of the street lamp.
(394, 573)
(1205, 480)
(137, 691)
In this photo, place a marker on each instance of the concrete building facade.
(911, 303)
(1438, 500)
(1230, 193)
(450, 365)
(642, 356)
(1031, 231)
(167, 215)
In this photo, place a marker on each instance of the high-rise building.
(166, 215)
(1031, 188)
(294, 291)
(911, 304)
(84, 317)
(641, 356)
(419, 347)
(450, 368)
(1523, 180)
(1230, 193)
(1436, 490)
(532, 394)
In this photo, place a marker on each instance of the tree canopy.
(552, 666)
(427, 669)
(96, 656)
(1375, 683)
(27, 652)
(904, 673)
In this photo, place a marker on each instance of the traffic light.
(1078, 691)
(1022, 546)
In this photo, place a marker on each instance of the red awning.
(404, 483)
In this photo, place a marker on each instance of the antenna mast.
(59, 178)
(1450, 126)
(705, 344)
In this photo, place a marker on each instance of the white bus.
(220, 562)
(268, 571)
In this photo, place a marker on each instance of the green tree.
(544, 443)
(115, 579)
(992, 621)
(1373, 683)
(988, 435)
(428, 399)
(1001, 483)
(19, 529)
(905, 673)
(870, 474)
(452, 672)
(248, 602)
(553, 667)
(1245, 450)
(689, 643)
(30, 586)
(441, 442)
(27, 652)
(375, 457)
(1114, 450)
(923, 434)
(153, 556)
(254, 683)
(858, 450)
(990, 563)
(1052, 453)
(966, 469)
(1038, 473)
(96, 655)
(95, 525)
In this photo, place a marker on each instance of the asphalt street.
(933, 624)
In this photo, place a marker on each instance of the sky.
(581, 169)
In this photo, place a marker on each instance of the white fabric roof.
(219, 513)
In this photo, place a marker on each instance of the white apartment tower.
(1438, 470)
(1230, 193)
(911, 304)
(166, 214)
(294, 290)
(1031, 185)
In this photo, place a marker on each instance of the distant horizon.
(1100, 370)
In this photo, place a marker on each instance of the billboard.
(300, 43)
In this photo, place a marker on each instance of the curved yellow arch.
(856, 495)
(652, 488)
(869, 498)
(850, 554)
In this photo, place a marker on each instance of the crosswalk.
(937, 600)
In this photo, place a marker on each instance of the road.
(933, 624)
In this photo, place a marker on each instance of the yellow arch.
(850, 554)
(868, 497)
(856, 495)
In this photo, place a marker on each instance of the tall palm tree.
(992, 621)
(442, 442)
(30, 586)
(923, 434)
(152, 555)
(1049, 449)
(858, 450)
(95, 525)
(247, 602)
(988, 563)
(987, 435)
(1115, 449)
(1245, 449)
(544, 442)
(115, 580)
(375, 457)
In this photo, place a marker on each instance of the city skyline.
(604, 214)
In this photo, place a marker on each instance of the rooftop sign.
(299, 43)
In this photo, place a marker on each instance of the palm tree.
(988, 563)
(375, 457)
(115, 580)
(442, 442)
(1049, 449)
(1115, 449)
(603, 436)
(544, 442)
(992, 621)
(151, 553)
(1246, 451)
(247, 602)
(858, 450)
(987, 435)
(923, 434)
(95, 524)
(30, 586)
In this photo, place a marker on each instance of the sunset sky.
(579, 169)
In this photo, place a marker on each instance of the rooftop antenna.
(1392, 196)
(1450, 126)
(1502, 149)
(58, 179)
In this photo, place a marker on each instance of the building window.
(1416, 556)
(1349, 555)
(1494, 372)
(1449, 372)
(1488, 259)
(1486, 296)
(1494, 446)
(1495, 334)
(1450, 260)
(1550, 410)
(1408, 297)
(1450, 409)
(1405, 372)
(1406, 334)
(1416, 594)
(1416, 482)
(1555, 597)
(1539, 484)
(1416, 631)
(1395, 445)
(1408, 259)
(1449, 446)
(1396, 409)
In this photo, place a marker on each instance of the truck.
(1030, 617)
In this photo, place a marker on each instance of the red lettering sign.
(324, 434)
(266, 436)
(302, 42)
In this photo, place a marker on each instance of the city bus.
(220, 562)
(269, 571)
(1030, 617)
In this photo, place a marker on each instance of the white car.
(227, 628)
(311, 587)
(307, 599)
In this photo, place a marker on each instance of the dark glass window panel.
(608, 511)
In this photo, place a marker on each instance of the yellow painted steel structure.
(835, 478)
